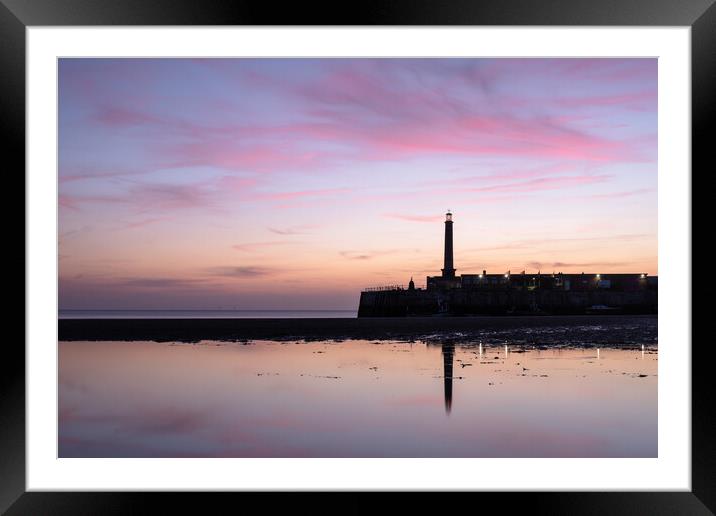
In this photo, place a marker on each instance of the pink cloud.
(294, 230)
(141, 223)
(543, 183)
(636, 100)
(163, 197)
(415, 218)
(367, 255)
(117, 116)
(509, 173)
(531, 243)
(620, 195)
(257, 246)
(299, 194)
(359, 107)
(74, 201)
(67, 202)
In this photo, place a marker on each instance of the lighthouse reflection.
(448, 351)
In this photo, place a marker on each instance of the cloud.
(354, 256)
(140, 197)
(512, 172)
(162, 283)
(119, 117)
(367, 255)
(242, 271)
(543, 183)
(299, 194)
(137, 288)
(67, 202)
(390, 110)
(638, 100)
(558, 265)
(170, 196)
(414, 218)
(541, 242)
(256, 246)
(293, 230)
(620, 195)
(74, 202)
(140, 223)
(389, 114)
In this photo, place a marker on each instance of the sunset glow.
(294, 183)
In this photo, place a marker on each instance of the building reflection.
(448, 354)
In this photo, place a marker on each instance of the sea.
(207, 314)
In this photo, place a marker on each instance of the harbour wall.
(401, 303)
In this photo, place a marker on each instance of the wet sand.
(542, 330)
(359, 398)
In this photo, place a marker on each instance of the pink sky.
(294, 183)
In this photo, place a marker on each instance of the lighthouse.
(448, 269)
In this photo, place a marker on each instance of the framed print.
(418, 248)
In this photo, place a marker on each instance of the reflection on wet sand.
(448, 352)
(355, 399)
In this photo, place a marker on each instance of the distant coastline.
(205, 314)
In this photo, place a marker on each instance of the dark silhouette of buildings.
(512, 293)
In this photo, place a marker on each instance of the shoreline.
(584, 329)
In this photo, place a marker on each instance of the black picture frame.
(17, 15)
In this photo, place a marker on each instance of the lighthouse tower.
(448, 269)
